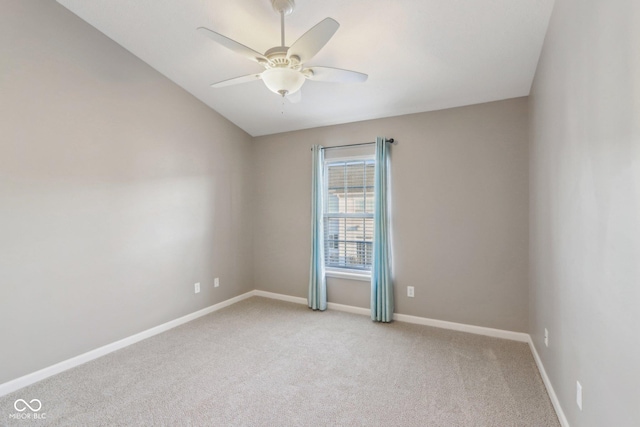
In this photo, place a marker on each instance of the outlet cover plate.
(546, 337)
(579, 394)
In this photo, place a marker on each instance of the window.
(348, 214)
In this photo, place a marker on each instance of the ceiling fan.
(285, 72)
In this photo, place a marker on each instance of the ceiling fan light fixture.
(283, 81)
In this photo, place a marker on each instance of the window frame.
(344, 272)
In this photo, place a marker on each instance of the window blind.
(348, 213)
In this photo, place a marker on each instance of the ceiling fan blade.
(233, 45)
(237, 80)
(337, 75)
(313, 40)
(295, 98)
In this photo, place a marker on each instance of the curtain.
(317, 282)
(381, 286)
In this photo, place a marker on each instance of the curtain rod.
(389, 140)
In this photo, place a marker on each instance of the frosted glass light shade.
(283, 81)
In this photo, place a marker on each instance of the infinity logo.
(26, 405)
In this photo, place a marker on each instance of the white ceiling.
(420, 55)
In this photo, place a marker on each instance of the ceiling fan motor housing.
(283, 6)
(278, 58)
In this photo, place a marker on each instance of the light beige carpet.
(269, 363)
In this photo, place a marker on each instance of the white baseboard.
(462, 327)
(300, 300)
(34, 377)
(281, 297)
(547, 383)
(478, 330)
(349, 308)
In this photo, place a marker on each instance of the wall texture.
(585, 209)
(460, 212)
(118, 191)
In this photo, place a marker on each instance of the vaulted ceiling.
(420, 55)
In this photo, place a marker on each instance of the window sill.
(346, 274)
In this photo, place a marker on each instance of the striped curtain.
(381, 286)
(317, 282)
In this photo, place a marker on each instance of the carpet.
(263, 362)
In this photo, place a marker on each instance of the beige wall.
(585, 209)
(118, 191)
(460, 212)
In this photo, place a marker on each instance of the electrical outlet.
(410, 293)
(216, 282)
(579, 394)
(197, 288)
(546, 337)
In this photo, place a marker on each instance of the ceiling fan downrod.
(284, 8)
